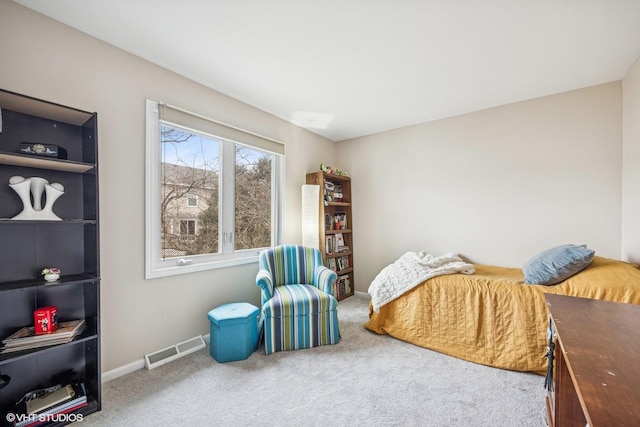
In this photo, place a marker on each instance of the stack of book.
(50, 406)
(26, 339)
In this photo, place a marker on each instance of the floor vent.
(166, 355)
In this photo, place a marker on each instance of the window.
(187, 228)
(192, 200)
(231, 181)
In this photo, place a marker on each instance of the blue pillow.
(557, 264)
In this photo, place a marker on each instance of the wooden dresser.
(596, 371)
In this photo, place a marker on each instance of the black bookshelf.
(71, 244)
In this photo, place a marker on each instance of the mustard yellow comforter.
(493, 318)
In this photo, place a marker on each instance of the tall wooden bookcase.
(70, 244)
(335, 228)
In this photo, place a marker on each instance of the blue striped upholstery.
(298, 307)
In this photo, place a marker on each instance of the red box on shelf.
(45, 320)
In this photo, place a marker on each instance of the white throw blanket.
(409, 271)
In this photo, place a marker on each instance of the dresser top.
(601, 344)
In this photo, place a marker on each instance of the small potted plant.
(51, 274)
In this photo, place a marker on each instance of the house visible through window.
(231, 181)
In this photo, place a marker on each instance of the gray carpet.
(366, 379)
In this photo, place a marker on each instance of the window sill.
(170, 267)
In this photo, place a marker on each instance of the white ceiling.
(347, 68)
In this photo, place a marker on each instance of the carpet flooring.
(366, 379)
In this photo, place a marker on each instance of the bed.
(492, 317)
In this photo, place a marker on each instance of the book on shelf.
(52, 398)
(343, 262)
(26, 339)
(329, 245)
(332, 264)
(44, 408)
(343, 285)
(347, 285)
(328, 222)
(46, 418)
(339, 244)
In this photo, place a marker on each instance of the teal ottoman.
(233, 331)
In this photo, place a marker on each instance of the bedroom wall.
(48, 60)
(496, 186)
(631, 165)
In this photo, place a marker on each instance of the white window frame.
(155, 265)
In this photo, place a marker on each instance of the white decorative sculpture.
(36, 186)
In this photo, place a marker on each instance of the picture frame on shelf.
(329, 244)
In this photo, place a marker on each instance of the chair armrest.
(265, 282)
(324, 278)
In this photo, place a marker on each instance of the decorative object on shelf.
(51, 274)
(35, 187)
(44, 150)
(45, 320)
(333, 171)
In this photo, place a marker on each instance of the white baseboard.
(123, 370)
(132, 367)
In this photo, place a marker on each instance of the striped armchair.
(298, 305)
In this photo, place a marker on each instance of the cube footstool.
(233, 331)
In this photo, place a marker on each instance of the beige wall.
(42, 58)
(495, 186)
(631, 165)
